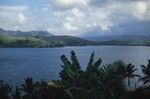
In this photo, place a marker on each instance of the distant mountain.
(130, 40)
(21, 33)
(45, 39)
(38, 39)
(51, 41)
(2, 31)
(69, 40)
(118, 38)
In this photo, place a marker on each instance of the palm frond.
(90, 61)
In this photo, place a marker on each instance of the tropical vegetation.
(97, 81)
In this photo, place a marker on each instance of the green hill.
(126, 42)
(40, 41)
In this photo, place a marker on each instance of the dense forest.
(97, 81)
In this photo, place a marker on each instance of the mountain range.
(39, 39)
(118, 37)
(46, 39)
(21, 33)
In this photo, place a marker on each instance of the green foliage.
(126, 42)
(5, 90)
(91, 73)
(39, 41)
(110, 82)
(29, 88)
(71, 72)
(94, 83)
(50, 90)
(146, 72)
(17, 94)
(127, 71)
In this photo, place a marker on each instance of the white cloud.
(103, 20)
(70, 3)
(68, 26)
(12, 16)
(71, 19)
(20, 8)
(77, 13)
(75, 20)
(142, 10)
(138, 9)
(21, 18)
(50, 29)
(141, 7)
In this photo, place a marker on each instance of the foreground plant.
(5, 90)
(96, 82)
(29, 88)
(146, 72)
(127, 71)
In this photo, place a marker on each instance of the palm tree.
(127, 71)
(29, 88)
(146, 72)
(130, 72)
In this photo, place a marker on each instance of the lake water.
(45, 64)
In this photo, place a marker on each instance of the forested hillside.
(40, 41)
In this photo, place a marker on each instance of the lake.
(45, 64)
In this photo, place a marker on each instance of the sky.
(77, 17)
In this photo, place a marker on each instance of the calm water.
(45, 64)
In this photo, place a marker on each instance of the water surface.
(45, 64)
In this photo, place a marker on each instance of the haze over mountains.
(21, 33)
(118, 37)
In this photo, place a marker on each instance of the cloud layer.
(78, 17)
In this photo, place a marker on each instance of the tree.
(95, 82)
(110, 82)
(1, 41)
(146, 72)
(29, 88)
(71, 72)
(90, 75)
(127, 71)
(130, 72)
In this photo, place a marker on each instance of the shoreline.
(78, 46)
